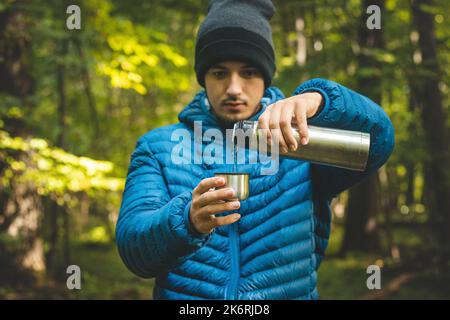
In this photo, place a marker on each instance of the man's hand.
(206, 203)
(295, 109)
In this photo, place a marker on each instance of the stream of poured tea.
(235, 154)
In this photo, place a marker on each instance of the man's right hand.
(206, 203)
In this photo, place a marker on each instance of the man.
(174, 224)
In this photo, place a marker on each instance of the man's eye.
(250, 72)
(218, 74)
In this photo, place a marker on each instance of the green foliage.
(96, 235)
(130, 69)
(54, 171)
(133, 59)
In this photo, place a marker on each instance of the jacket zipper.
(232, 291)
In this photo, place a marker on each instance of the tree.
(364, 203)
(21, 208)
(430, 102)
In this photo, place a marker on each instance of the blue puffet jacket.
(275, 249)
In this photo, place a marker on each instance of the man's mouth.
(234, 105)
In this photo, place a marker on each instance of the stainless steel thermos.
(334, 147)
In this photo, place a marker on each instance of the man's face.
(234, 90)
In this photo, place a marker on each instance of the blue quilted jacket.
(275, 249)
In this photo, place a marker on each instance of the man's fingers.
(286, 128)
(263, 123)
(207, 184)
(214, 196)
(274, 124)
(213, 209)
(302, 125)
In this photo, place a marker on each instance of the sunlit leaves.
(139, 60)
(171, 55)
(17, 143)
(52, 170)
(14, 112)
(97, 234)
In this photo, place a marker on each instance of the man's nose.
(234, 85)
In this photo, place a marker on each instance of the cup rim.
(232, 173)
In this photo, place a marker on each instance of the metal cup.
(239, 182)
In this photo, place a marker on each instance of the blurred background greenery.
(74, 102)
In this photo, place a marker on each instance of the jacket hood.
(199, 108)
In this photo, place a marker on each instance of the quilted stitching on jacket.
(285, 223)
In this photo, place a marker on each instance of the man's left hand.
(296, 110)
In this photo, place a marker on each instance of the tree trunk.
(60, 83)
(62, 109)
(15, 79)
(88, 90)
(55, 211)
(301, 40)
(66, 248)
(21, 207)
(284, 13)
(53, 237)
(410, 176)
(426, 85)
(390, 186)
(22, 255)
(363, 202)
(360, 224)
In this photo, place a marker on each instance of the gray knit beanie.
(236, 30)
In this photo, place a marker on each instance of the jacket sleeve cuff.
(181, 228)
(197, 236)
(329, 92)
